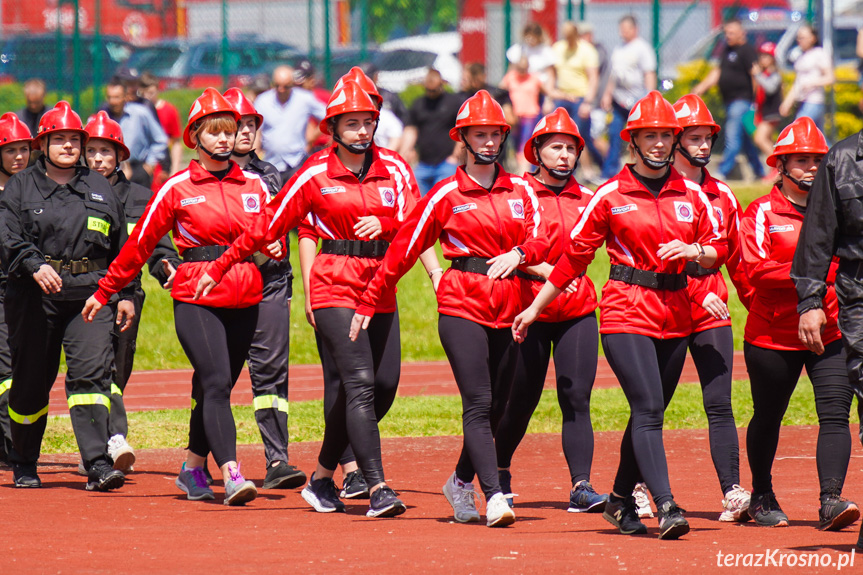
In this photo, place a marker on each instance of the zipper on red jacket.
(662, 237)
(500, 245)
(230, 232)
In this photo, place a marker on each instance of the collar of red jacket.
(336, 169)
(198, 174)
(709, 185)
(572, 186)
(779, 204)
(468, 184)
(628, 183)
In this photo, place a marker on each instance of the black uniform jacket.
(271, 269)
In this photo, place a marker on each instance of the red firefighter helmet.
(13, 130)
(357, 75)
(242, 105)
(652, 111)
(801, 136)
(60, 118)
(349, 98)
(479, 110)
(558, 122)
(209, 103)
(101, 127)
(691, 111)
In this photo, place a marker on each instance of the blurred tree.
(408, 17)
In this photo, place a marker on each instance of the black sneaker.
(355, 486)
(385, 503)
(836, 513)
(103, 477)
(622, 514)
(585, 499)
(765, 510)
(504, 477)
(283, 476)
(672, 524)
(25, 475)
(322, 495)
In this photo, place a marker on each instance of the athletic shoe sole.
(503, 520)
(355, 495)
(392, 511)
(471, 519)
(780, 523)
(107, 484)
(286, 482)
(205, 496)
(641, 530)
(313, 500)
(595, 508)
(243, 495)
(844, 519)
(675, 531)
(28, 485)
(125, 461)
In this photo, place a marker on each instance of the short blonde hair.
(214, 123)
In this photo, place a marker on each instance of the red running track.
(171, 389)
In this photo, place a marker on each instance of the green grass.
(438, 415)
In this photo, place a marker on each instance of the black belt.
(654, 280)
(356, 248)
(695, 270)
(204, 253)
(536, 278)
(479, 266)
(75, 267)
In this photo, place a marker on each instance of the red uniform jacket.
(201, 211)
(727, 210)
(332, 197)
(632, 223)
(559, 215)
(768, 238)
(473, 222)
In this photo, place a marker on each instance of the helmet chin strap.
(802, 185)
(353, 148)
(696, 161)
(655, 164)
(557, 174)
(242, 154)
(485, 159)
(223, 157)
(58, 166)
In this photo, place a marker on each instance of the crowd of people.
(105, 197)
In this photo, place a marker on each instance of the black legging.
(713, 353)
(483, 362)
(216, 341)
(648, 370)
(576, 346)
(371, 363)
(773, 375)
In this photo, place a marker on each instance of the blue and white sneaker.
(585, 499)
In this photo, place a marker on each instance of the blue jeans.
(737, 138)
(429, 174)
(583, 125)
(611, 165)
(814, 111)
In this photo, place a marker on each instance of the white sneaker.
(462, 498)
(498, 513)
(736, 504)
(642, 501)
(122, 454)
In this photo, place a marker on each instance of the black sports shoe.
(672, 524)
(25, 475)
(622, 514)
(103, 477)
(355, 486)
(765, 510)
(504, 477)
(283, 476)
(385, 503)
(322, 495)
(836, 513)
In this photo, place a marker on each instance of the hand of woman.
(368, 226)
(125, 314)
(715, 306)
(205, 286)
(812, 323)
(48, 279)
(503, 265)
(521, 322)
(435, 279)
(170, 271)
(310, 315)
(676, 249)
(91, 308)
(358, 322)
(275, 250)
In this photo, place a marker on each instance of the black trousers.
(371, 363)
(849, 291)
(332, 384)
(483, 361)
(5, 378)
(713, 354)
(648, 370)
(773, 375)
(216, 341)
(576, 346)
(268, 359)
(38, 328)
(125, 343)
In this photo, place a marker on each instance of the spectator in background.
(32, 112)
(734, 77)
(142, 133)
(537, 50)
(473, 79)
(260, 84)
(169, 119)
(430, 118)
(286, 137)
(306, 77)
(392, 101)
(525, 91)
(814, 71)
(632, 76)
(598, 116)
(573, 85)
(768, 98)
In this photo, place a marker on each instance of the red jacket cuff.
(562, 274)
(215, 271)
(365, 309)
(102, 296)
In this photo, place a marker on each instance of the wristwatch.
(700, 252)
(522, 256)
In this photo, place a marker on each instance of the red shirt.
(470, 221)
(333, 199)
(559, 215)
(768, 236)
(632, 222)
(169, 118)
(201, 210)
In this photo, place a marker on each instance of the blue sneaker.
(584, 499)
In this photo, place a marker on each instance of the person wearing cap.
(269, 353)
(61, 225)
(206, 206)
(104, 152)
(652, 220)
(489, 224)
(15, 143)
(305, 76)
(776, 348)
(568, 325)
(356, 202)
(768, 98)
(712, 341)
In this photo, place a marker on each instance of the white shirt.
(629, 63)
(389, 127)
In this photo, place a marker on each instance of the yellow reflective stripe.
(89, 399)
(130, 226)
(283, 405)
(98, 225)
(27, 419)
(270, 402)
(5, 385)
(194, 403)
(115, 390)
